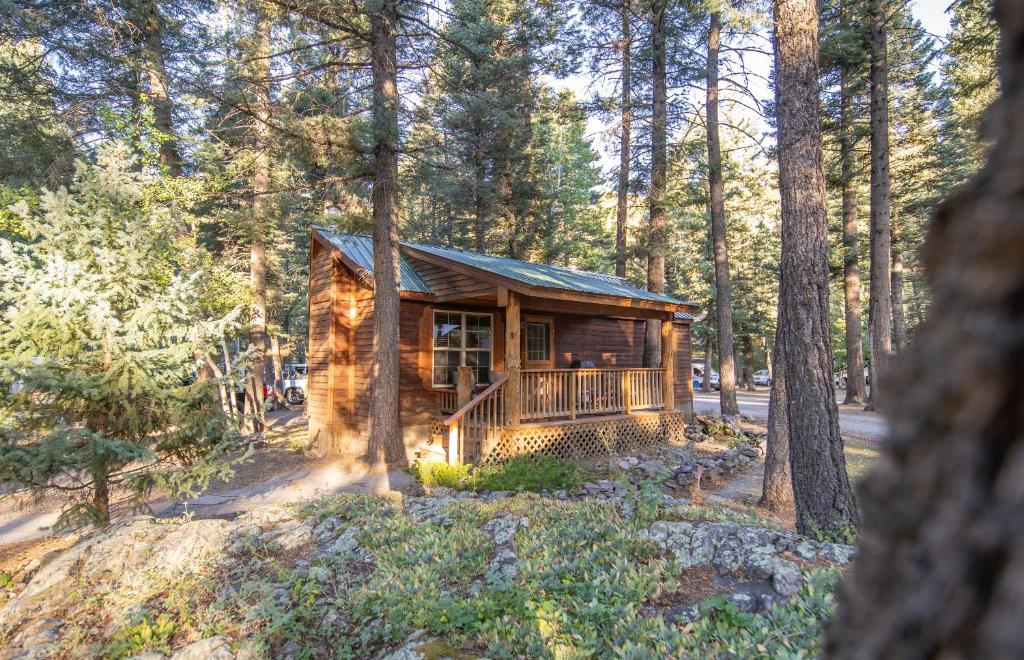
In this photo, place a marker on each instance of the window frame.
(549, 321)
(461, 350)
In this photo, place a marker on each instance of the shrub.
(532, 473)
(437, 473)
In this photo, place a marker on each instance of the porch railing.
(477, 426)
(554, 393)
(448, 401)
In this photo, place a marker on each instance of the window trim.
(549, 321)
(462, 350)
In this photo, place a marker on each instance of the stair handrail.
(453, 421)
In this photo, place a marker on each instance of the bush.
(523, 473)
(437, 473)
(532, 473)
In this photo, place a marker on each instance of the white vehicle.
(762, 377)
(698, 376)
(295, 383)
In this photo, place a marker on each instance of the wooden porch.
(564, 412)
(558, 403)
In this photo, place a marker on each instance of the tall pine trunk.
(260, 217)
(939, 571)
(385, 443)
(748, 362)
(625, 144)
(656, 240)
(821, 488)
(720, 249)
(159, 95)
(899, 316)
(777, 485)
(880, 305)
(856, 388)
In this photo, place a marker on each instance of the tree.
(385, 443)
(102, 324)
(880, 306)
(936, 573)
(777, 484)
(716, 188)
(821, 489)
(656, 238)
(625, 145)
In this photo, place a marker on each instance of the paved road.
(853, 420)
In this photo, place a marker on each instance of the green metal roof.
(553, 277)
(359, 249)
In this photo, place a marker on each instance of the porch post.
(513, 363)
(464, 385)
(668, 363)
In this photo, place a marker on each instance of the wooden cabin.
(498, 356)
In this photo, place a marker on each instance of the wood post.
(453, 443)
(513, 363)
(668, 363)
(627, 393)
(464, 385)
(573, 377)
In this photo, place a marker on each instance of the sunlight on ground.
(859, 456)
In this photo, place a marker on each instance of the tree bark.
(939, 571)
(777, 485)
(716, 189)
(880, 307)
(656, 241)
(101, 499)
(709, 350)
(856, 388)
(260, 217)
(824, 501)
(899, 318)
(625, 144)
(748, 363)
(159, 91)
(385, 443)
(275, 358)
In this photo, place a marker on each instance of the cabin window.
(538, 341)
(462, 339)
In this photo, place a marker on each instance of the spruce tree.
(104, 329)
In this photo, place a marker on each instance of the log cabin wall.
(341, 354)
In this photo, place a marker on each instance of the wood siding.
(341, 347)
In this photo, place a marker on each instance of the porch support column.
(668, 362)
(513, 363)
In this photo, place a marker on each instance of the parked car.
(295, 383)
(762, 377)
(698, 378)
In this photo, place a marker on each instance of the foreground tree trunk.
(880, 307)
(656, 240)
(940, 564)
(824, 501)
(385, 443)
(777, 486)
(625, 145)
(260, 219)
(720, 248)
(856, 387)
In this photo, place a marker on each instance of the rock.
(682, 614)
(653, 469)
(504, 566)
(151, 655)
(290, 536)
(502, 529)
(628, 463)
(344, 545)
(211, 648)
(37, 639)
(837, 553)
(326, 529)
(785, 577)
(806, 550)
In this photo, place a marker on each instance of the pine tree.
(102, 326)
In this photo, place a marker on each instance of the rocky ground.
(633, 562)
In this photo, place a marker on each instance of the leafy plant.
(146, 634)
(528, 473)
(438, 473)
